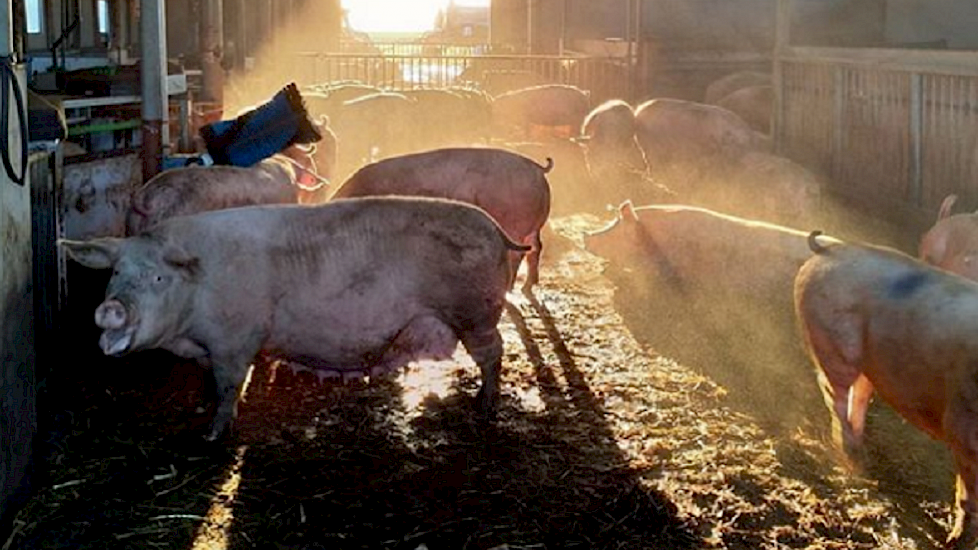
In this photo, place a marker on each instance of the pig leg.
(961, 434)
(859, 395)
(486, 349)
(231, 374)
(533, 262)
(965, 530)
(837, 376)
(515, 259)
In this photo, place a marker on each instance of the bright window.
(103, 16)
(33, 9)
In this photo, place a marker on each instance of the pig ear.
(182, 261)
(626, 211)
(946, 205)
(96, 253)
(932, 247)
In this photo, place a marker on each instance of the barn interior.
(633, 415)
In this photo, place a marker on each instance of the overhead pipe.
(152, 27)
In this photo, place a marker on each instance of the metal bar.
(153, 77)
(838, 116)
(211, 46)
(916, 141)
(782, 31)
(103, 127)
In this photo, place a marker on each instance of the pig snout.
(117, 325)
(111, 314)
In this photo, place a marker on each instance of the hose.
(8, 78)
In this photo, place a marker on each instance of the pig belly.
(358, 344)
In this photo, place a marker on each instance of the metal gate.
(606, 78)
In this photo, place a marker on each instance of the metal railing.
(419, 48)
(605, 77)
(895, 129)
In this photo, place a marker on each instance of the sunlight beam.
(213, 532)
(398, 15)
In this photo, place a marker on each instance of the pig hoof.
(217, 433)
(485, 411)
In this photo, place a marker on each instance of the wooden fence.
(894, 130)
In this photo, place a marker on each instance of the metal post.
(916, 133)
(211, 50)
(641, 75)
(152, 27)
(627, 35)
(18, 364)
(839, 96)
(563, 28)
(782, 43)
(241, 34)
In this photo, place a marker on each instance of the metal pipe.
(152, 27)
(211, 50)
(629, 58)
(563, 28)
(782, 44)
(640, 74)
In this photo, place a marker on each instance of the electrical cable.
(8, 78)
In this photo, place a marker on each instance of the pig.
(547, 105)
(513, 189)
(321, 157)
(725, 85)
(952, 243)
(468, 113)
(693, 249)
(612, 123)
(873, 318)
(714, 290)
(608, 133)
(501, 81)
(194, 189)
(298, 162)
(754, 104)
(572, 186)
(769, 187)
(97, 196)
(684, 141)
(370, 127)
(349, 288)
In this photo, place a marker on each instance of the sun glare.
(398, 15)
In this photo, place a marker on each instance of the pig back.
(358, 255)
(512, 188)
(190, 190)
(705, 246)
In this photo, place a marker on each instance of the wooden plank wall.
(896, 131)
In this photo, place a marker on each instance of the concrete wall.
(711, 25)
(730, 25)
(18, 414)
(507, 24)
(839, 23)
(916, 21)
